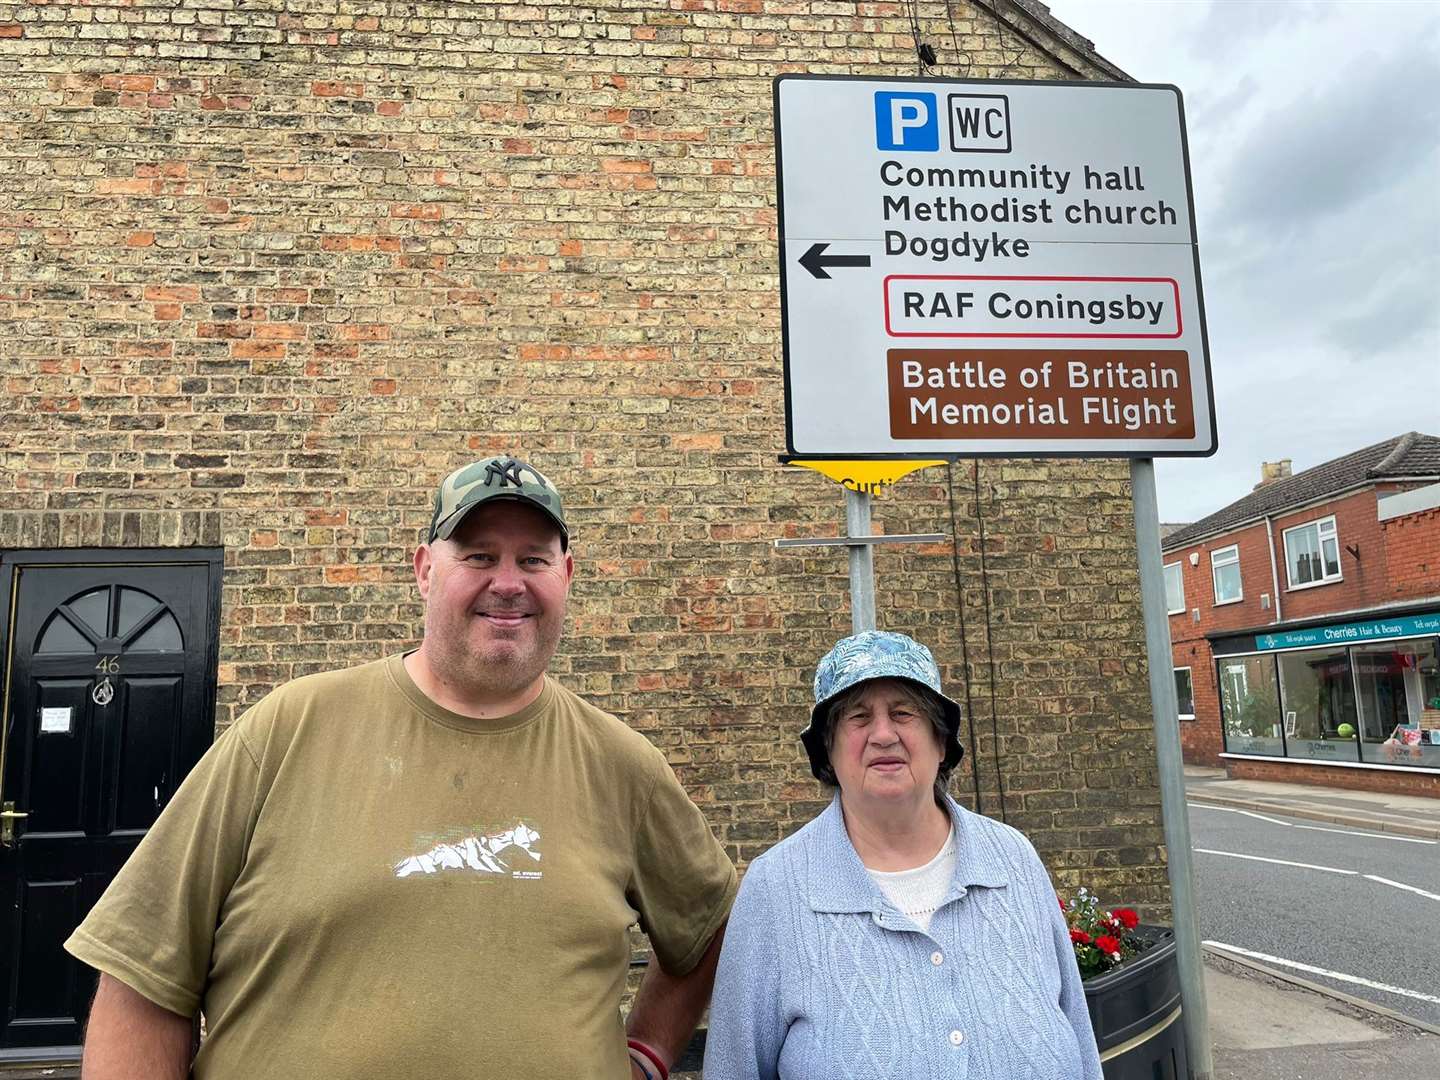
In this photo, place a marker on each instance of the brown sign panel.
(1040, 394)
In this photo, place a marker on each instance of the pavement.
(1267, 1024)
(1404, 815)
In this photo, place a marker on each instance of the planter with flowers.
(1132, 986)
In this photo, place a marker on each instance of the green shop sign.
(1351, 633)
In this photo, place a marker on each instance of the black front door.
(109, 693)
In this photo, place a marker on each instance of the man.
(424, 866)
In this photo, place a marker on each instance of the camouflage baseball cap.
(502, 477)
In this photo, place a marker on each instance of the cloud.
(1343, 145)
(1372, 269)
(1222, 23)
(1210, 107)
(1401, 314)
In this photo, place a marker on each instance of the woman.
(897, 936)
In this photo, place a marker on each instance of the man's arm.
(667, 1007)
(129, 1037)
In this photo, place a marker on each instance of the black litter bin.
(1135, 1011)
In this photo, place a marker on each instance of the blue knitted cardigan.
(822, 977)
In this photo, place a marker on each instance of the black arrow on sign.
(815, 260)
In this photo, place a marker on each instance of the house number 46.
(104, 693)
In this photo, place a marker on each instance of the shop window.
(1184, 693)
(1312, 553)
(1174, 589)
(1225, 569)
(1319, 702)
(1399, 700)
(1250, 706)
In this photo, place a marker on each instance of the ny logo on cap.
(508, 470)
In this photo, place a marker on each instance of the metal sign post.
(862, 563)
(1172, 770)
(862, 555)
(860, 479)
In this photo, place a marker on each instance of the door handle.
(8, 816)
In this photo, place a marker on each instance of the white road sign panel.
(1000, 268)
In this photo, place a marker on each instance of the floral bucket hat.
(861, 658)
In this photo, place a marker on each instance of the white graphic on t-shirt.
(478, 853)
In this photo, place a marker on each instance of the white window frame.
(1191, 676)
(1216, 562)
(1239, 684)
(1321, 536)
(1180, 577)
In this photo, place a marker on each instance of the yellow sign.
(866, 477)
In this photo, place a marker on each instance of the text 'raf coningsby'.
(919, 305)
(1040, 393)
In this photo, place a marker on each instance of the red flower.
(1107, 944)
(1128, 918)
(1080, 937)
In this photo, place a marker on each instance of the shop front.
(1356, 693)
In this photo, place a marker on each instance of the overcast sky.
(1315, 155)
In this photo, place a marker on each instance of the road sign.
(988, 268)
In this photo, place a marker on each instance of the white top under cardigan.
(821, 975)
(917, 892)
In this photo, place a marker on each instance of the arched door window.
(114, 619)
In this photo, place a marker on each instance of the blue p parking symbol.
(906, 121)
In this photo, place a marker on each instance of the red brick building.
(1305, 623)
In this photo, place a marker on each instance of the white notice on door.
(55, 721)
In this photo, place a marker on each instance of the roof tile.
(1413, 454)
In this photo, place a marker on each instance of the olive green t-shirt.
(357, 883)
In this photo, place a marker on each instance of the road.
(1353, 910)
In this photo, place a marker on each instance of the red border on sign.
(885, 286)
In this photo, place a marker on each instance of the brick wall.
(287, 265)
(1199, 585)
(1362, 583)
(1371, 574)
(1395, 781)
(1200, 740)
(1412, 554)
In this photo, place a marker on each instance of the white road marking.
(1312, 866)
(1278, 862)
(1337, 975)
(1312, 828)
(1369, 835)
(1402, 885)
(1232, 810)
